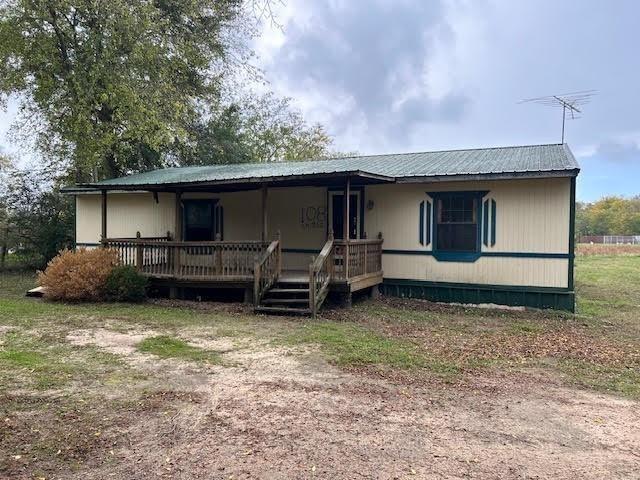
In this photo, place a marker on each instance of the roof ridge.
(441, 151)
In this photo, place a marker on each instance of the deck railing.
(356, 258)
(320, 275)
(211, 260)
(267, 270)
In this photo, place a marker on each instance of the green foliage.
(170, 347)
(36, 220)
(110, 85)
(609, 216)
(254, 129)
(125, 284)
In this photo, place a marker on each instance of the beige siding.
(127, 213)
(542, 272)
(532, 217)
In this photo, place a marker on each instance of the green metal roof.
(531, 160)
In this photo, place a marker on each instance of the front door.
(336, 214)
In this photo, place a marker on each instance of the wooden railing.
(354, 258)
(266, 270)
(212, 260)
(320, 274)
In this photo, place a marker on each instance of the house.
(491, 225)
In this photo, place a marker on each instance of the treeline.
(609, 216)
(129, 87)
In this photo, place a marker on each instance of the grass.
(59, 397)
(29, 359)
(415, 337)
(352, 345)
(624, 381)
(165, 346)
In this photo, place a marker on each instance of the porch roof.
(484, 163)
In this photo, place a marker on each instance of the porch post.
(264, 213)
(345, 225)
(173, 253)
(103, 211)
(177, 234)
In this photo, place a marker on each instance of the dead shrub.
(78, 275)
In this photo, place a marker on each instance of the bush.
(125, 284)
(78, 275)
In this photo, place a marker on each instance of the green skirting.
(535, 297)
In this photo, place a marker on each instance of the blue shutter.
(493, 222)
(421, 224)
(428, 231)
(485, 223)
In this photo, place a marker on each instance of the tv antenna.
(569, 102)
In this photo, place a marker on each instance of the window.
(202, 220)
(457, 223)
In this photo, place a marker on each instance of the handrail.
(176, 243)
(359, 241)
(320, 273)
(266, 270)
(357, 258)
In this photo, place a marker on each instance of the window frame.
(457, 255)
(213, 202)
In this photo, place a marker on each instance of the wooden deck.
(343, 266)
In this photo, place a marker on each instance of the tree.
(255, 129)
(609, 216)
(108, 85)
(40, 219)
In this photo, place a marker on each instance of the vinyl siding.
(532, 217)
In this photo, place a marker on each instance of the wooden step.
(286, 310)
(285, 300)
(288, 290)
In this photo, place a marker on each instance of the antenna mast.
(568, 101)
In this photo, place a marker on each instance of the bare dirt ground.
(279, 413)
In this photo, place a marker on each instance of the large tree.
(108, 85)
(254, 128)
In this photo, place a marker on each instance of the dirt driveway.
(280, 413)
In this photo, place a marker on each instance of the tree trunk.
(3, 248)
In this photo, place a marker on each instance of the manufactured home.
(491, 225)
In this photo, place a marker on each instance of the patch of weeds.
(165, 346)
(409, 315)
(45, 361)
(623, 380)
(23, 358)
(526, 327)
(352, 345)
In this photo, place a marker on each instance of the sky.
(417, 75)
(390, 76)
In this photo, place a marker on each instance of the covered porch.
(340, 263)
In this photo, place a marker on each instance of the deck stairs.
(289, 295)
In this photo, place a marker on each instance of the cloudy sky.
(413, 75)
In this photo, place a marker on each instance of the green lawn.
(72, 390)
(595, 348)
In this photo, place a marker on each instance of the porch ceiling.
(234, 185)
